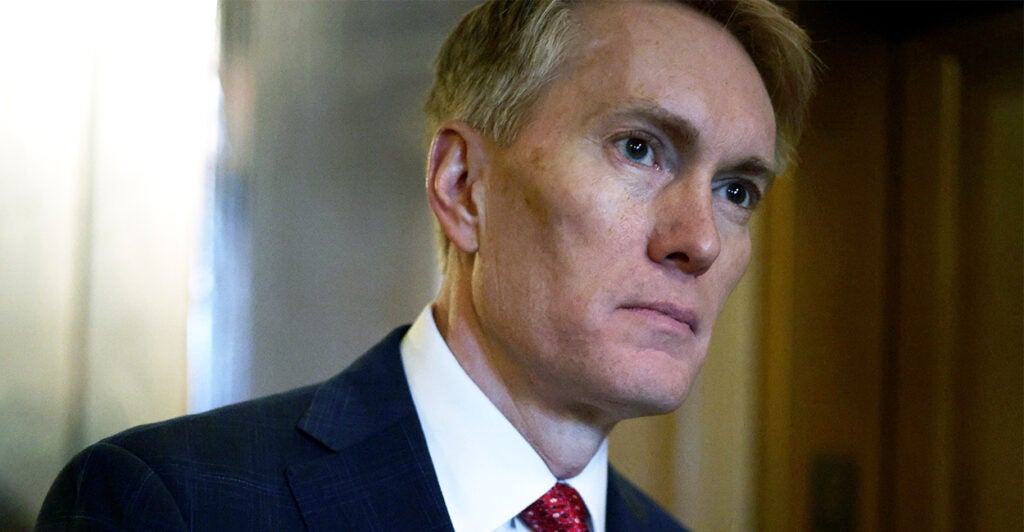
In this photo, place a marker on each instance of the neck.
(566, 438)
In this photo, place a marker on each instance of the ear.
(457, 160)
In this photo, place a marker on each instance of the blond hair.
(501, 56)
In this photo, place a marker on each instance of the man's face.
(615, 226)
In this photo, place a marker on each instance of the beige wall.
(108, 125)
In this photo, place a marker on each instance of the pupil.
(736, 193)
(636, 148)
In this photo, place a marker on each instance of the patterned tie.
(561, 509)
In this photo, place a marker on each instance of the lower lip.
(660, 318)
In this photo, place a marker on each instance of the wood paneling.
(892, 369)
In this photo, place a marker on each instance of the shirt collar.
(487, 471)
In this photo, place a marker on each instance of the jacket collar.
(378, 473)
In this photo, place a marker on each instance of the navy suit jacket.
(347, 454)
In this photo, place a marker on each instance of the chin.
(664, 387)
(654, 406)
(655, 396)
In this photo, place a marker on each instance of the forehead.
(678, 35)
(670, 57)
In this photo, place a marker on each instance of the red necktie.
(561, 509)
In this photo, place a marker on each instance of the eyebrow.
(680, 131)
(684, 134)
(755, 167)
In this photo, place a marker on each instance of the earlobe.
(452, 174)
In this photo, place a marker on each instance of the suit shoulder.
(225, 463)
(272, 416)
(240, 447)
(225, 469)
(106, 487)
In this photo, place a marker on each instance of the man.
(593, 170)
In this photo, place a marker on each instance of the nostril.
(678, 257)
(683, 262)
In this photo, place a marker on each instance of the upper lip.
(671, 310)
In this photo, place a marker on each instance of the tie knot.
(561, 509)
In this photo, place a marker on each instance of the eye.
(740, 193)
(637, 150)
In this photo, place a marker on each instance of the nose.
(685, 235)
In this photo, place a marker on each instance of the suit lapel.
(628, 509)
(377, 474)
(623, 512)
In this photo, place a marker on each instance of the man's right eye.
(636, 150)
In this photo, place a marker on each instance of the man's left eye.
(739, 193)
(637, 150)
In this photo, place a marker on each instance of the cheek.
(562, 216)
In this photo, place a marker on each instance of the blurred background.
(203, 202)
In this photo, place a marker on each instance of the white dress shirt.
(487, 471)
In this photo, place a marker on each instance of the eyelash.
(651, 144)
(753, 193)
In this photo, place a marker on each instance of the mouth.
(668, 312)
